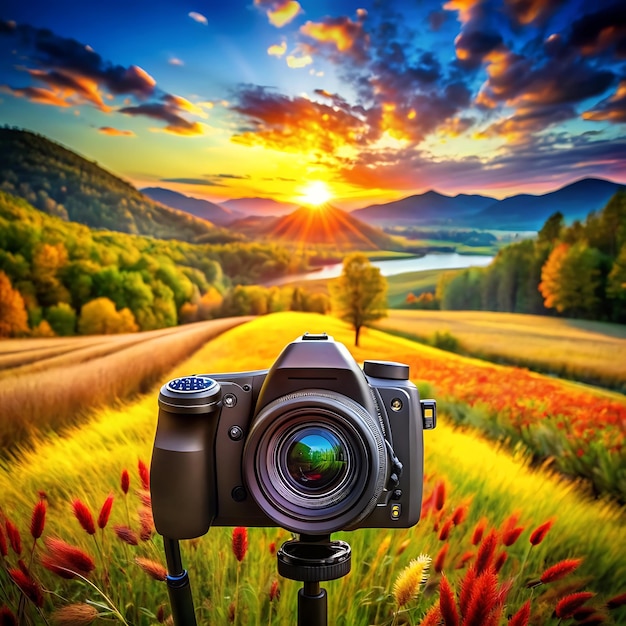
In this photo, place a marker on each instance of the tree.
(62, 319)
(359, 295)
(13, 316)
(99, 317)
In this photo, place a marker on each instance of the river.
(390, 267)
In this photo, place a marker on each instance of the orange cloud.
(115, 132)
(279, 12)
(277, 50)
(612, 109)
(36, 94)
(341, 32)
(296, 62)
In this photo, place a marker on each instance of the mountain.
(60, 182)
(259, 206)
(430, 207)
(518, 212)
(194, 206)
(328, 225)
(529, 212)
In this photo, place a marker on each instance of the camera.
(315, 445)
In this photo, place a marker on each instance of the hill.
(518, 212)
(259, 206)
(194, 206)
(62, 183)
(328, 225)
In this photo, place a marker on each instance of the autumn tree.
(359, 295)
(13, 316)
(99, 317)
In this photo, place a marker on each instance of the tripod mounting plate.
(314, 561)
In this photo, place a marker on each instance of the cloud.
(525, 12)
(473, 46)
(176, 61)
(169, 111)
(193, 181)
(279, 12)
(36, 94)
(340, 34)
(601, 31)
(115, 132)
(277, 50)
(295, 62)
(198, 17)
(612, 109)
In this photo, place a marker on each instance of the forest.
(62, 278)
(577, 270)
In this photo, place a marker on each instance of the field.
(492, 523)
(577, 349)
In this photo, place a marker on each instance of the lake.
(390, 267)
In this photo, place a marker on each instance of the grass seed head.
(447, 603)
(240, 542)
(410, 579)
(15, 539)
(62, 556)
(127, 535)
(560, 570)
(152, 568)
(539, 534)
(522, 616)
(125, 481)
(30, 588)
(84, 516)
(105, 512)
(144, 475)
(568, 605)
(79, 614)
(7, 618)
(38, 519)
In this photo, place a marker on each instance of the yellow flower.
(408, 583)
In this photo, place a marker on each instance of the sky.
(369, 101)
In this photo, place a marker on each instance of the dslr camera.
(315, 445)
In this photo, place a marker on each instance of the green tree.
(13, 316)
(62, 319)
(359, 295)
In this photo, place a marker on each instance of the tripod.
(309, 559)
(312, 559)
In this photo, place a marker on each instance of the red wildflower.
(432, 617)
(539, 534)
(125, 481)
(479, 529)
(522, 616)
(240, 542)
(447, 603)
(127, 535)
(593, 620)
(500, 561)
(6, 617)
(512, 535)
(616, 601)
(272, 548)
(483, 599)
(440, 559)
(23, 567)
(152, 568)
(146, 522)
(144, 497)
(15, 539)
(29, 587)
(38, 519)
(105, 512)
(160, 614)
(62, 557)
(4, 549)
(274, 591)
(444, 533)
(84, 516)
(465, 557)
(459, 515)
(440, 495)
(144, 474)
(583, 613)
(568, 605)
(467, 586)
(231, 612)
(510, 521)
(560, 570)
(486, 551)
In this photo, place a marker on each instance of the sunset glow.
(315, 194)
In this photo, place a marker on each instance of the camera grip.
(182, 474)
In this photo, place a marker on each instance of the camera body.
(315, 445)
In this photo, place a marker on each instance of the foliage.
(577, 269)
(359, 295)
(13, 318)
(99, 317)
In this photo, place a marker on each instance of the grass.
(401, 285)
(78, 380)
(591, 352)
(478, 477)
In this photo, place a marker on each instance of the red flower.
(440, 559)
(500, 561)
(616, 601)
(459, 514)
(6, 617)
(539, 534)
(560, 570)
(440, 495)
(15, 539)
(62, 557)
(125, 481)
(152, 568)
(447, 603)
(105, 512)
(274, 591)
(127, 535)
(479, 529)
(240, 542)
(568, 605)
(29, 587)
(512, 535)
(444, 533)
(486, 551)
(482, 600)
(4, 549)
(144, 474)
(38, 519)
(84, 516)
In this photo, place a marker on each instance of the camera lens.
(316, 459)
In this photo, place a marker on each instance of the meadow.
(533, 549)
(49, 383)
(577, 349)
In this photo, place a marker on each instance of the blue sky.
(375, 99)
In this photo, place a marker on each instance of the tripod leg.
(312, 605)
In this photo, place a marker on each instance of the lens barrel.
(315, 461)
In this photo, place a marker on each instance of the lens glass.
(315, 459)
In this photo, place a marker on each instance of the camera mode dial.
(191, 384)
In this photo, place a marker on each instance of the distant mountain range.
(259, 206)
(519, 212)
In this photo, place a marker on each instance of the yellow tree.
(13, 316)
(99, 317)
(359, 295)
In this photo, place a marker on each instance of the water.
(390, 267)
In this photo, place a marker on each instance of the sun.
(315, 193)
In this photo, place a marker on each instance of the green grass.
(591, 352)
(486, 480)
(400, 286)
